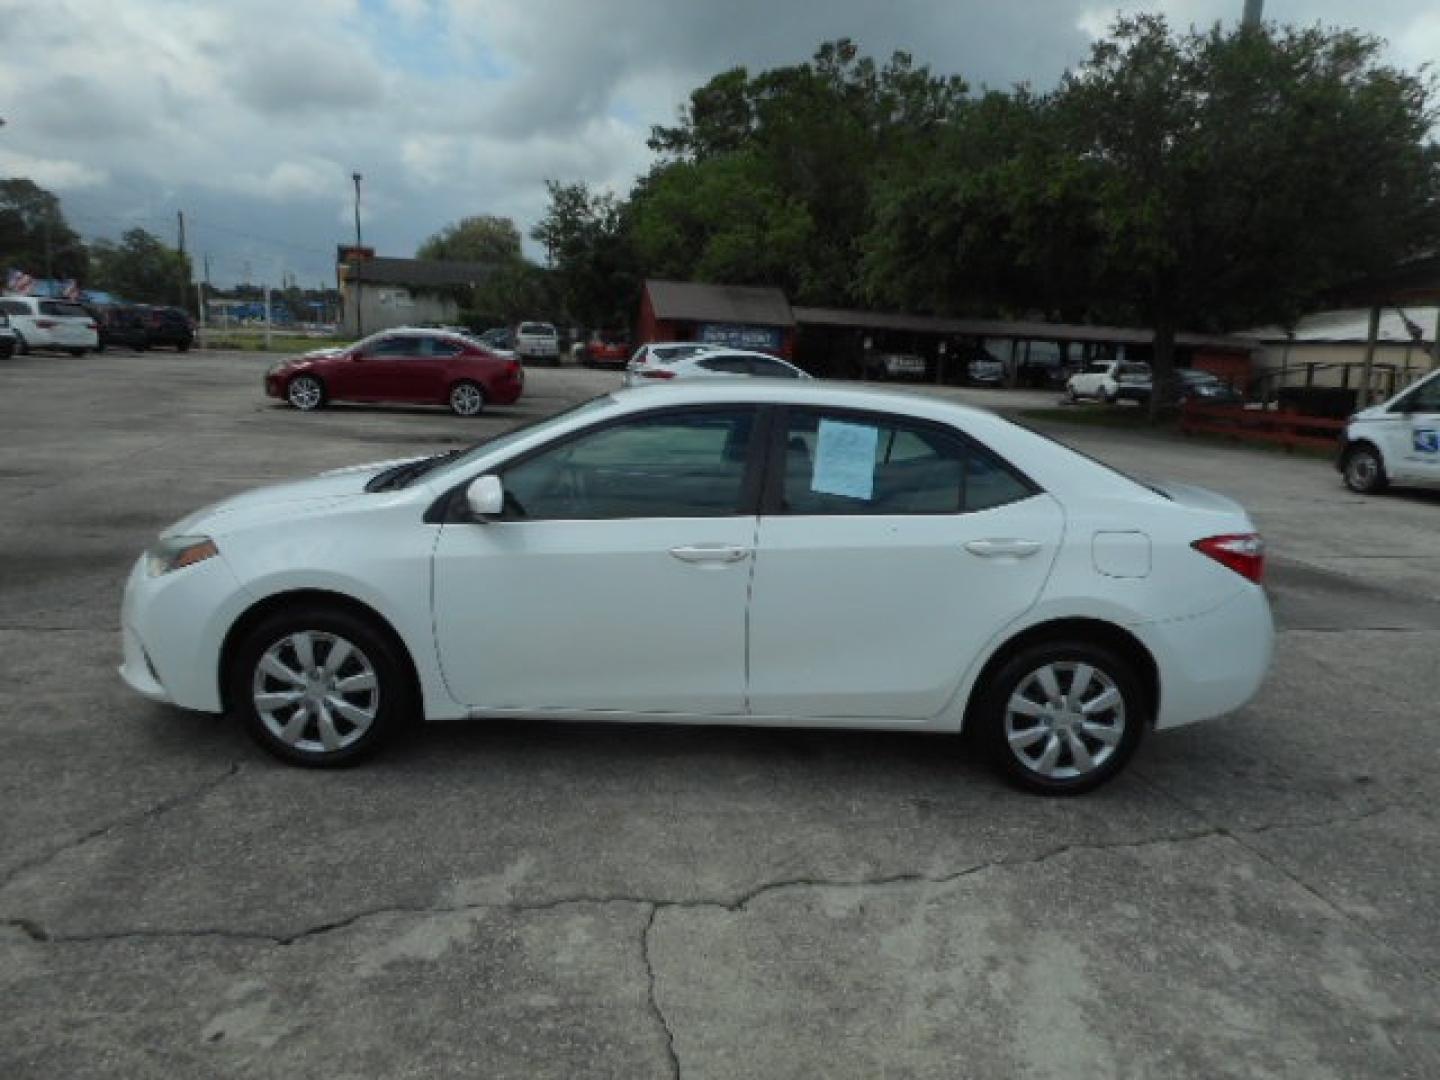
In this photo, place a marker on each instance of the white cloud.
(53, 173)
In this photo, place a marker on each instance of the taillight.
(1242, 552)
(46, 324)
(658, 373)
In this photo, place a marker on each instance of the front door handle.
(710, 553)
(1003, 549)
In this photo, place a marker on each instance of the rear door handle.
(1003, 549)
(710, 553)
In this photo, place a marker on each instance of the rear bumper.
(1211, 664)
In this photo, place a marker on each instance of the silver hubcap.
(1065, 720)
(316, 691)
(466, 400)
(1361, 470)
(305, 393)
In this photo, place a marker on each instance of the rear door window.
(63, 309)
(844, 463)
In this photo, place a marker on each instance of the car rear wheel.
(76, 352)
(467, 399)
(319, 686)
(1365, 471)
(1062, 718)
(21, 345)
(305, 393)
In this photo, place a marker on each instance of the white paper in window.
(845, 460)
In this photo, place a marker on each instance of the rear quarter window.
(62, 309)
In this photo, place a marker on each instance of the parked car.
(661, 353)
(1397, 441)
(1190, 385)
(894, 365)
(710, 363)
(985, 371)
(425, 367)
(40, 323)
(1109, 381)
(7, 337)
(169, 326)
(605, 348)
(537, 341)
(498, 337)
(120, 325)
(788, 552)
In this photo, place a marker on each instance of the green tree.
(34, 236)
(587, 238)
(790, 155)
(481, 238)
(140, 268)
(1235, 176)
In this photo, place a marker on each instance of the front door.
(889, 554)
(617, 578)
(1414, 453)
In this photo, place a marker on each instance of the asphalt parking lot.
(1256, 896)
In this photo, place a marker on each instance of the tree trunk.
(1162, 369)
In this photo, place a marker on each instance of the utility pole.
(355, 263)
(1254, 11)
(180, 246)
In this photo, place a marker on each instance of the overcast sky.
(251, 115)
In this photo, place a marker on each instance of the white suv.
(40, 323)
(537, 341)
(1109, 381)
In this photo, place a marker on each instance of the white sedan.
(744, 551)
(710, 362)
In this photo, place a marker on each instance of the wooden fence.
(1288, 429)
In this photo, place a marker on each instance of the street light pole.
(355, 262)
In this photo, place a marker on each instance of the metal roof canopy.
(745, 304)
(1414, 281)
(1020, 331)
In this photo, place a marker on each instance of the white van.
(41, 323)
(1394, 442)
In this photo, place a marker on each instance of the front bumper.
(173, 630)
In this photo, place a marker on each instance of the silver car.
(706, 362)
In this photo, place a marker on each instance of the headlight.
(178, 552)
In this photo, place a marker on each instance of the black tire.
(1017, 677)
(1364, 470)
(466, 398)
(22, 347)
(183, 346)
(393, 703)
(305, 393)
(76, 352)
(1108, 398)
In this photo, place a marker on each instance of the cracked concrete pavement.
(1256, 897)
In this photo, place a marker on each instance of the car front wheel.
(305, 393)
(1062, 718)
(1365, 471)
(319, 686)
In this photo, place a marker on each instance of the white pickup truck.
(537, 341)
(1397, 440)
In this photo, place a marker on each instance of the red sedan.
(421, 367)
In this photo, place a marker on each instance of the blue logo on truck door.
(1427, 441)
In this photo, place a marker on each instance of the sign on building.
(766, 338)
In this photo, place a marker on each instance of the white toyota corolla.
(737, 552)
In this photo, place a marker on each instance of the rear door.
(890, 551)
(70, 324)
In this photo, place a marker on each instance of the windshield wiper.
(403, 475)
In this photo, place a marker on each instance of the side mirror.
(486, 497)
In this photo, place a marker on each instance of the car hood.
(277, 502)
